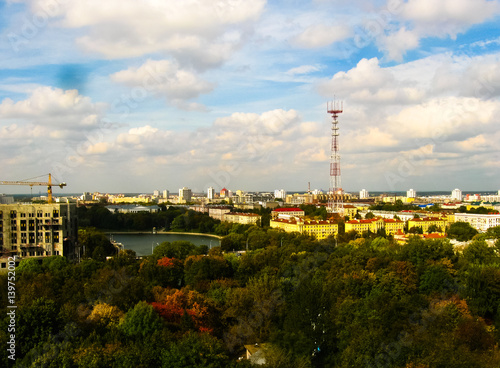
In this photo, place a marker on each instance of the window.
(47, 237)
(55, 213)
(56, 237)
(13, 238)
(23, 225)
(13, 214)
(31, 238)
(31, 225)
(39, 213)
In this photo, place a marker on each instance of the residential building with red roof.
(287, 212)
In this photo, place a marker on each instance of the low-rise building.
(288, 211)
(217, 212)
(361, 226)
(132, 208)
(426, 222)
(479, 222)
(318, 229)
(241, 218)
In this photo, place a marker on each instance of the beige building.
(218, 212)
(38, 230)
(241, 218)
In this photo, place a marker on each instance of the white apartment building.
(363, 194)
(210, 193)
(411, 193)
(479, 222)
(456, 194)
(280, 193)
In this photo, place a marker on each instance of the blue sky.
(133, 96)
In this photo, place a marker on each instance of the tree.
(195, 350)
(141, 321)
(461, 231)
(369, 216)
(36, 322)
(479, 252)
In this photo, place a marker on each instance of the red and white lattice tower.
(335, 195)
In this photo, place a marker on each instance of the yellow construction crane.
(36, 183)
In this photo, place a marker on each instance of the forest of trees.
(330, 303)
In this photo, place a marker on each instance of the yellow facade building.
(318, 229)
(391, 226)
(426, 222)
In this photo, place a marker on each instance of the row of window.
(39, 213)
(29, 238)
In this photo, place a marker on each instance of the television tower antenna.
(335, 197)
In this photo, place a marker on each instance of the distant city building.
(411, 193)
(185, 195)
(4, 199)
(38, 230)
(280, 193)
(86, 196)
(210, 193)
(156, 193)
(363, 194)
(456, 194)
(123, 199)
(132, 208)
(165, 194)
(224, 193)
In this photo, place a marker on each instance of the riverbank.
(161, 233)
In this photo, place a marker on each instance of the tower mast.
(335, 197)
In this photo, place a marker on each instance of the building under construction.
(37, 230)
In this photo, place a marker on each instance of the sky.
(142, 95)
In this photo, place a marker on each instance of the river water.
(142, 244)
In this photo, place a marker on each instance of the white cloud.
(165, 78)
(321, 35)
(420, 19)
(303, 69)
(202, 32)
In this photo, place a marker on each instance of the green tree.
(195, 350)
(36, 322)
(141, 321)
(462, 231)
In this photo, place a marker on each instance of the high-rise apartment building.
(185, 195)
(210, 193)
(280, 193)
(411, 193)
(165, 194)
(363, 194)
(457, 194)
(38, 230)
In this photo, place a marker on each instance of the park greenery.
(349, 301)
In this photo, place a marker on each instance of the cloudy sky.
(138, 95)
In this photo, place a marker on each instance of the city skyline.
(128, 96)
